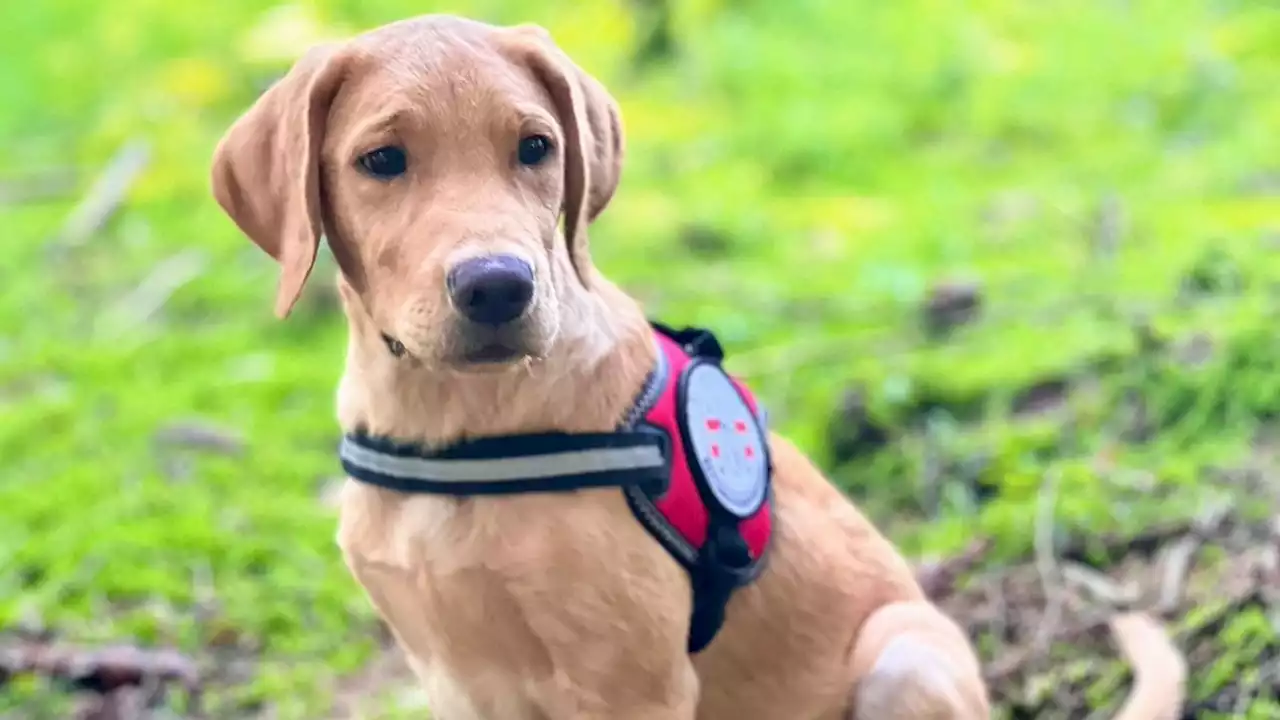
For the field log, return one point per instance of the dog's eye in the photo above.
(534, 149)
(385, 162)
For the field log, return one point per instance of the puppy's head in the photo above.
(437, 155)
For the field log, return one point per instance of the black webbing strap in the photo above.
(546, 462)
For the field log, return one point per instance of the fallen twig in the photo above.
(1180, 555)
(105, 196)
(150, 295)
(1047, 563)
(1100, 586)
(1174, 572)
(1147, 542)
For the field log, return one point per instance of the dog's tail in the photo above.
(1159, 669)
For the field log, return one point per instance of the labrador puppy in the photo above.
(439, 156)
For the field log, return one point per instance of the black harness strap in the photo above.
(548, 462)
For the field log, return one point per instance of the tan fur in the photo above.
(531, 607)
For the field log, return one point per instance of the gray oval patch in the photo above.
(725, 440)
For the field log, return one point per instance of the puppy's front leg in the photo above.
(652, 692)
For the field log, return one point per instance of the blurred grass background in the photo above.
(954, 245)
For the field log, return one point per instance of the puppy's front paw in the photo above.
(912, 680)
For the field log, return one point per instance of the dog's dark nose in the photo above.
(491, 290)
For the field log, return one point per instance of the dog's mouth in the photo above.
(486, 348)
(469, 347)
(483, 355)
(491, 354)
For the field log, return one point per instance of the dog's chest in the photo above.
(441, 576)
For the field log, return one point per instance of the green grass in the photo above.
(799, 175)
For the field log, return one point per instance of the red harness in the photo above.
(692, 459)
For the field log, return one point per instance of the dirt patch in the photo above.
(1042, 627)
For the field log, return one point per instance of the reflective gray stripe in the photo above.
(578, 462)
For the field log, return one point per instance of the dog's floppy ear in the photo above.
(593, 144)
(266, 169)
